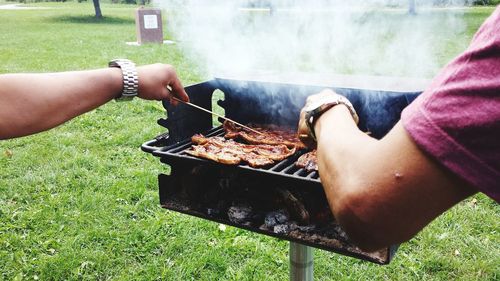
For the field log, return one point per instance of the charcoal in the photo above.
(213, 212)
(281, 229)
(307, 228)
(257, 216)
(294, 205)
(275, 218)
(240, 214)
(293, 226)
(334, 231)
(341, 232)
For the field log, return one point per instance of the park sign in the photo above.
(148, 26)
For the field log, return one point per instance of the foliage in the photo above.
(459, 2)
(80, 202)
(486, 2)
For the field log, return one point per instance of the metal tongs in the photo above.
(216, 114)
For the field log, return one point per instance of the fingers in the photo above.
(303, 131)
(170, 96)
(174, 87)
(177, 89)
(160, 82)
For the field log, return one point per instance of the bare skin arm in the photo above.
(31, 103)
(384, 191)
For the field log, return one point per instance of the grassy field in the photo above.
(80, 202)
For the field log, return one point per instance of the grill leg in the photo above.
(301, 262)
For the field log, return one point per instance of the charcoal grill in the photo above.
(282, 200)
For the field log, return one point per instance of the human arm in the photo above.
(384, 191)
(31, 103)
(444, 149)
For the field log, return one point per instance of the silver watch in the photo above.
(315, 109)
(130, 78)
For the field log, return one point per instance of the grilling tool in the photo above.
(218, 115)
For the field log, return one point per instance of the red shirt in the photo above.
(457, 119)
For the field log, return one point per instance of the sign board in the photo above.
(148, 26)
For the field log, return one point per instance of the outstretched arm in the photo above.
(31, 103)
(381, 191)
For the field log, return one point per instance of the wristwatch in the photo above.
(130, 78)
(316, 108)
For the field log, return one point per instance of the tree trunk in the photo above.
(97, 7)
(411, 9)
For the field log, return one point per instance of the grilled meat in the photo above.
(308, 161)
(214, 153)
(228, 151)
(271, 135)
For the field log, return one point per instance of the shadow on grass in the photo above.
(92, 20)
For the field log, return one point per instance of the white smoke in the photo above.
(348, 37)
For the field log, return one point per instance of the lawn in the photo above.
(80, 202)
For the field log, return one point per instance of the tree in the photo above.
(97, 8)
(411, 9)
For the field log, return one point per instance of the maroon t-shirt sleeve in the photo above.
(457, 119)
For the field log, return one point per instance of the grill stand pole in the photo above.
(301, 262)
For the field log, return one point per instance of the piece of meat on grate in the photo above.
(228, 151)
(308, 161)
(215, 153)
(270, 134)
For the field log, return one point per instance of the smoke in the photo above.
(347, 37)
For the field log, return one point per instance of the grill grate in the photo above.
(286, 167)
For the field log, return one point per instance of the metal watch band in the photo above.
(130, 78)
(343, 100)
(313, 115)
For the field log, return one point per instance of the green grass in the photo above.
(80, 202)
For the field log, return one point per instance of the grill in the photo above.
(285, 168)
(282, 200)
